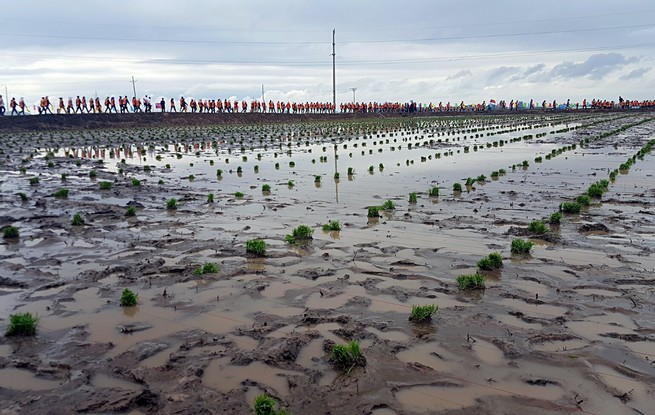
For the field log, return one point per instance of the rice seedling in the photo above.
(555, 218)
(347, 356)
(412, 197)
(219, 173)
(469, 182)
(256, 247)
(131, 211)
(239, 170)
(538, 227)
(266, 188)
(492, 261)
(10, 232)
(470, 282)
(22, 324)
(23, 196)
(388, 205)
(238, 195)
(77, 220)
(317, 179)
(61, 193)
(583, 200)
(265, 405)
(521, 247)
(351, 171)
(596, 190)
(64, 176)
(136, 182)
(370, 169)
(421, 313)
(129, 298)
(207, 268)
(481, 178)
(525, 163)
(210, 198)
(34, 181)
(292, 164)
(290, 183)
(23, 170)
(332, 225)
(302, 233)
(457, 187)
(570, 207)
(433, 192)
(171, 204)
(336, 176)
(105, 185)
(373, 212)
(191, 177)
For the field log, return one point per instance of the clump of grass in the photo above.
(317, 179)
(583, 200)
(23, 196)
(219, 173)
(555, 218)
(105, 185)
(301, 233)
(332, 225)
(597, 189)
(521, 247)
(421, 313)
(266, 188)
(337, 176)
(191, 177)
(136, 182)
(238, 194)
(77, 220)
(570, 207)
(538, 227)
(210, 198)
(469, 182)
(373, 212)
(481, 178)
(22, 324)
(457, 187)
(64, 176)
(351, 171)
(492, 261)
(207, 268)
(470, 282)
(61, 193)
(93, 174)
(433, 192)
(129, 298)
(34, 181)
(388, 205)
(347, 356)
(131, 211)
(412, 197)
(256, 247)
(265, 405)
(10, 232)
(171, 204)
(290, 183)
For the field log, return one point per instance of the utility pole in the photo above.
(354, 89)
(334, 74)
(6, 93)
(263, 99)
(134, 85)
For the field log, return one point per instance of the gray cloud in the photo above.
(596, 67)
(635, 74)
(464, 73)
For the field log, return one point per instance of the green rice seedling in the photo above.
(538, 227)
(210, 198)
(613, 174)
(191, 177)
(555, 218)
(495, 174)
(207, 268)
(596, 190)
(470, 282)
(373, 212)
(77, 220)
(131, 211)
(525, 163)
(290, 183)
(421, 313)
(470, 182)
(302, 233)
(388, 205)
(10, 232)
(332, 225)
(61, 193)
(347, 356)
(64, 176)
(492, 261)
(538, 159)
(370, 169)
(583, 200)
(136, 182)
(51, 164)
(93, 174)
(380, 166)
(129, 298)
(292, 164)
(351, 171)
(337, 176)
(481, 178)
(219, 173)
(457, 187)
(22, 324)
(23, 196)
(34, 181)
(317, 179)
(570, 207)
(105, 185)
(521, 247)
(171, 204)
(256, 247)
(238, 195)
(239, 170)
(265, 405)
(412, 197)
(433, 191)
(266, 188)
(277, 166)
(23, 170)
(160, 182)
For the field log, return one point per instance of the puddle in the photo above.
(103, 381)
(19, 379)
(223, 377)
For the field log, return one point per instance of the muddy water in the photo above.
(571, 322)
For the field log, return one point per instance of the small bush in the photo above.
(373, 212)
(388, 205)
(457, 187)
(10, 232)
(492, 261)
(129, 298)
(77, 220)
(470, 282)
(347, 356)
(555, 218)
(521, 247)
(207, 268)
(171, 204)
(433, 192)
(61, 193)
(256, 247)
(22, 324)
(332, 225)
(538, 227)
(300, 233)
(266, 188)
(105, 185)
(131, 211)
(413, 197)
(570, 207)
(583, 200)
(422, 313)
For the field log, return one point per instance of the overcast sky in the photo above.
(424, 50)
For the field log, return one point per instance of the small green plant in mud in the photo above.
(481, 178)
(457, 187)
(77, 220)
(210, 198)
(597, 189)
(351, 171)
(23, 170)
(525, 163)
(239, 170)
(10, 232)
(265, 405)
(129, 298)
(61, 193)
(583, 200)
(495, 174)
(337, 176)
(93, 174)
(470, 282)
(433, 191)
(332, 225)
(292, 164)
(302, 233)
(373, 212)
(492, 261)
(238, 195)
(370, 169)
(34, 181)
(105, 185)
(266, 188)
(290, 183)
(22, 324)
(207, 268)
(256, 247)
(413, 198)
(23, 196)
(317, 179)
(538, 227)
(521, 247)
(388, 205)
(421, 313)
(171, 204)
(131, 211)
(570, 207)
(64, 176)
(191, 177)
(136, 182)
(219, 173)
(555, 218)
(470, 182)
(347, 356)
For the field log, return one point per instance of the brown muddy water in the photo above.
(569, 328)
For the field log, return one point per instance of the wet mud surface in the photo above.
(569, 328)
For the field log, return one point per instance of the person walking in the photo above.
(22, 106)
(2, 106)
(12, 105)
(162, 104)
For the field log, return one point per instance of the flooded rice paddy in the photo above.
(568, 328)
